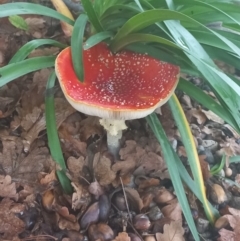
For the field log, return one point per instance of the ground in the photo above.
(127, 199)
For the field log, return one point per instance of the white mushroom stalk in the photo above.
(114, 130)
(119, 87)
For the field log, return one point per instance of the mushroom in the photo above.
(117, 87)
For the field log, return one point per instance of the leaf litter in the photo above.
(128, 199)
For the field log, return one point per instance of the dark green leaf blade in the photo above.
(52, 134)
(10, 9)
(15, 70)
(26, 49)
(77, 46)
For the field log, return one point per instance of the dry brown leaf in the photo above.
(134, 198)
(75, 166)
(162, 195)
(43, 52)
(226, 235)
(48, 178)
(7, 188)
(10, 225)
(213, 117)
(90, 127)
(149, 163)
(198, 115)
(11, 153)
(171, 232)
(80, 198)
(126, 166)
(38, 160)
(204, 167)
(64, 212)
(65, 224)
(173, 210)
(102, 170)
(122, 237)
(36, 26)
(95, 189)
(128, 149)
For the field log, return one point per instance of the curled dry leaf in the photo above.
(171, 232)
(48, 178)
(173, 210)
(10, 225)
(95, 189)
(213, 117)
(11, 153)
(226, 235)
(162, 195)
(122, 237)
(102, 169)
(125, 167)
(75, 166)
(198, 115)
(7, 188)
(90, 127)
(134, 198)
(204, 167)
(65, 224)
(99, 232)
(36, 26)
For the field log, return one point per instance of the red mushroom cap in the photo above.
(124, 86)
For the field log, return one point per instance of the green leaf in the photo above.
(26, 49)
(217, 168)
(10, 9)
(18, 22)
(15, 70)
(173, 171)
(191, 151)
(52, 134)
(140, 37)
(97, 38)
(234, 159)
(93, 18)
(77, 46)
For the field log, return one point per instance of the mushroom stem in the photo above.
(113, 143)
(114, 133)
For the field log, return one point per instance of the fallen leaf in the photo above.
(126, 166)
(122, 237)
(65, 224)
(226, 235)
(162, 195)
(171, 232)
(102, 170)
(90, 127)
(212, 116)
(48, 178)
(10, 225)
(7, 188)
(134, 198)
(75, 167)
(204, 167)
(173, 210)
(36, 26)
(198, 115)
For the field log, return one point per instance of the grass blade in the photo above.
(10, 9)
(26, 49)
(97, 38)
(173, 171)
(140, 37)
(77, 46)
(15, 70)
(52, 134)
(191, 151)
(93, 18)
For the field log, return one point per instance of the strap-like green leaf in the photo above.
(10, 9)
(140, 37)
(77, 46)
(15, 70)
(191, 151)
(97, 38)
(173, 171)
(26, 49)
(52, 134)
(92, 16)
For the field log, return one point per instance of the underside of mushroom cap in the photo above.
(124, 86)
